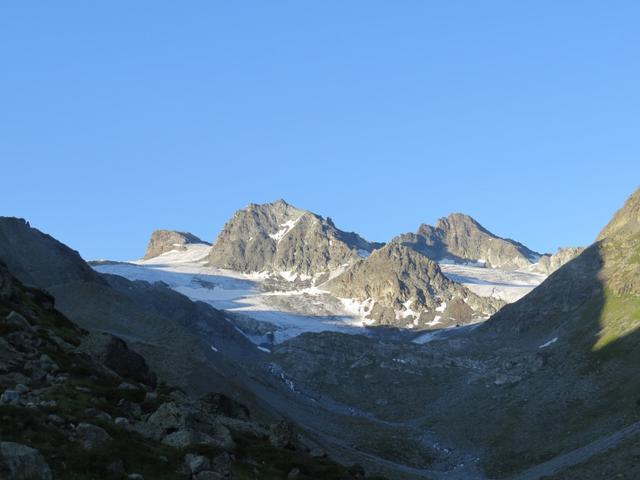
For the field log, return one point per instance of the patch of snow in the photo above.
(214, 348)
(442, 307)
(550, 342)
(264, 349)
(284, 229)
(407, 311)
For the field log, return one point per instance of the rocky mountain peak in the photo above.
(626, 221)
(403, 288)
(461, 239)
(163, 241)
(282, 238)
(460, 221)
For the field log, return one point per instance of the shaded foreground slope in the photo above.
(63, 414)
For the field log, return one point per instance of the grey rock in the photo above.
(53, 418)
(221, 463)
(17, 320)
(550, 263)
(147, 430)
(10, 397)
(151, 397)
(169, 416)
(460, 238)
(21, 389)
(121, 421)
(19, 462)
(196, 463)
(115, 354)
(396, 277)
(317, 453)
(163, 241)
(293, 474)
(37, 259)
(128, 386)
(280, 434)
(135, 476)
(187, 439)
(279, 237)
(91, 436)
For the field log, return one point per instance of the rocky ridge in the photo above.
(400, 287)
(460, 238)
(277, 237)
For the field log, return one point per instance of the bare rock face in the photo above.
(550, 263)
(279, 237)
(163, 241)
(626, 221)
(460, 238)
(406, 289)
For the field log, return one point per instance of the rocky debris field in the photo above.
(65, 414)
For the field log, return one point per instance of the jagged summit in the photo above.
(280, 237)
(402, 287)
(163, 241)
(460, 238)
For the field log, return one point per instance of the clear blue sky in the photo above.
(117, 118)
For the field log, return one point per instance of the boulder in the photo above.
(280, 434)
(196, 463)
(10, 397)
(222, 464)
(187, 439)
(19, 462)
(91, 436)
(16, 320)
(293, 474)
(220, 404)
(116, 355)
(170, 416)
(317, 453)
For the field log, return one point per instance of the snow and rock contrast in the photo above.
(279, 271)
(400, 287)
(163, 241)
(277, 237)
(461, 239)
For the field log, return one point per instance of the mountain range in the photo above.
(288, 348)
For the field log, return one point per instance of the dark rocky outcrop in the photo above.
(116, 355)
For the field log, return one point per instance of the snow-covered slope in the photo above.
(245, 296)
(507, 285)
(270, 309)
